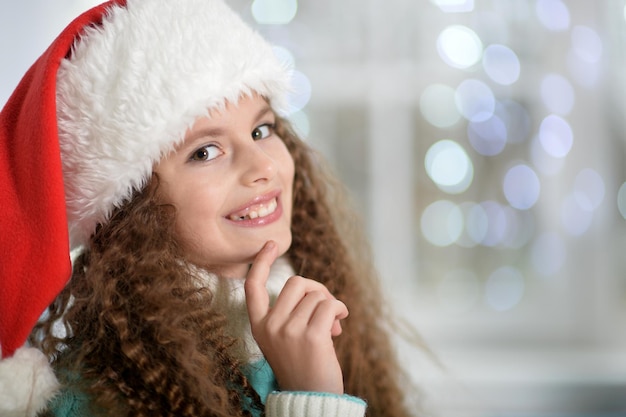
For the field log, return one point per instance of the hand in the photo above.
(295, 335)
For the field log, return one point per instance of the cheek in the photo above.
(288, 169)
(288, 177)
(194, 233)
(290, 174)
(197, 210)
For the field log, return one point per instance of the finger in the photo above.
(327, 317)
(303, 312)
(257, 298)
(316, 315)
(293, 293)
(318, 312)
(336, 329)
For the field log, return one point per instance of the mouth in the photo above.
(255, 211)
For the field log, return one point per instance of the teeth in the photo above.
(261, 211)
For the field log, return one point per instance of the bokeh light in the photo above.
(459, 46)
(557, 94)
(492, 224)
(301, 91)
(442, 223)
(497, 225)
(274, 12)
(488, 137)
(548, 254)
(621, 200)
(475, 100)
(510, 123)
(449, 166)
(586, 44)
(584, 73)
(556, 136)
(574, 218)
(284, 56)
(501, 64)
(583, 59)
(438, 107)
(476, 223)
(520, 226)
(589, 189)
(504, 288)
(454, 6)
(544, 162)
(516, 118)
(521, 187)
(553, 14)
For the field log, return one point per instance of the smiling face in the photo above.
(231, 183)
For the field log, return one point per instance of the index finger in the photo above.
(257, 298)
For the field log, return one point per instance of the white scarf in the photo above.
(229, 298)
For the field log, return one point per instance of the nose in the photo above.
(257, 165)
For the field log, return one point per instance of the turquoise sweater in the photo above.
(72, 403)
(230, 299)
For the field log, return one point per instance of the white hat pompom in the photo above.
(27, 383)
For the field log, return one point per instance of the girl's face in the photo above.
(231, 182)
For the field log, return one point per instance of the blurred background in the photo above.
(484, 143)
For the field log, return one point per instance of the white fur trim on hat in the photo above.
(134, 84)
(27, 383)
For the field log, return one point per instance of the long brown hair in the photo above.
(143, 340)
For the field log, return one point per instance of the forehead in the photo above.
(247, 109)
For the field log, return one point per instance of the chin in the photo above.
(284, 243)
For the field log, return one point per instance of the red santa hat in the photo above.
(112, 94)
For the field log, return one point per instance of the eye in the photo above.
(262, 131)
(205, 153)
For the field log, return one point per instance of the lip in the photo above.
(259, 221)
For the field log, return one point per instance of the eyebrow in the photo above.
(263, 112)
(218, 131)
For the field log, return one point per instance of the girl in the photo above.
(209, 260)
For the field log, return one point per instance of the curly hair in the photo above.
(144, 340)
(329, 246)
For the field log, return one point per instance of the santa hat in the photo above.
(112, 94)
